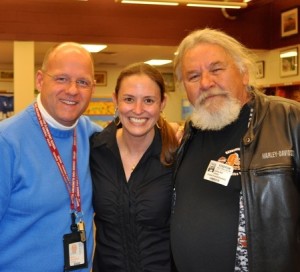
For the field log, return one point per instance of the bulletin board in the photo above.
(186, 109)
(101, 110)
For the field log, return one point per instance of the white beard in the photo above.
(215, 116)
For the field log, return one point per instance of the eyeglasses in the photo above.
(65, 80)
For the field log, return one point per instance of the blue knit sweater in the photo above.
(34, 201)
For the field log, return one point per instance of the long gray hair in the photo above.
(243, 57)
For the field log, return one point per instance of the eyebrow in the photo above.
(222, 63)
(216, 63)
(212, 65)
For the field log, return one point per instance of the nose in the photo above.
(138, 107)
(72, 88)
(206, 81)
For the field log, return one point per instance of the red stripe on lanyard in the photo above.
(73, 185)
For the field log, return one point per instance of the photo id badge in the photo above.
(74, 252)
(218, 172)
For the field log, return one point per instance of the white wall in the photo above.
(272, 67)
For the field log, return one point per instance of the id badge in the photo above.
(74, 252)
(218, 172)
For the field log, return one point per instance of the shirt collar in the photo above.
(49, 119)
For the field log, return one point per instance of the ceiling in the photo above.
(133, 33)
(117, 55)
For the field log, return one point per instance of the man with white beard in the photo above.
(236, 198)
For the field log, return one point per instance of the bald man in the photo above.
(45, 198)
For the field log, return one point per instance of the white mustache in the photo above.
(212, 92)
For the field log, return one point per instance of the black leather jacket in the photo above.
(270, 175)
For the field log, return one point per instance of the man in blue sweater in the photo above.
(45, 185)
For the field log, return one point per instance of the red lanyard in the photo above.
(73, 185)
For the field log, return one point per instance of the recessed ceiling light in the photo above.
(157, 62)
(192, 3)
(162, 3)
(94, 48)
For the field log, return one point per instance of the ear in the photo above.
(94, 87)
(246, 78)
(115, 99)
(39, 79)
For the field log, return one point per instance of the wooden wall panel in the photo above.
(108, 22)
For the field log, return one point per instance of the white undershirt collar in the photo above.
(49, 119)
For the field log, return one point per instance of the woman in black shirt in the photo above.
(131, 164)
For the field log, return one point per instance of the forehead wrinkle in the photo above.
(209, 66)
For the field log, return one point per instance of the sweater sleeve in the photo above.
(91, 126)
(7, 164)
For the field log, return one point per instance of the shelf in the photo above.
(289, 90)
(6, 93)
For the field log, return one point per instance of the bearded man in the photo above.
(236, 197)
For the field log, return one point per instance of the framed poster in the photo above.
(101, 78)
(289, 62)
(101, 110)
(260, 69)
(186, 109)
(289, 22)
(169, 82)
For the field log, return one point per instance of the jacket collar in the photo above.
(260, 104)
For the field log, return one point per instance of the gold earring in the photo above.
(116, 117)
(163, 116)
(160, 121)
